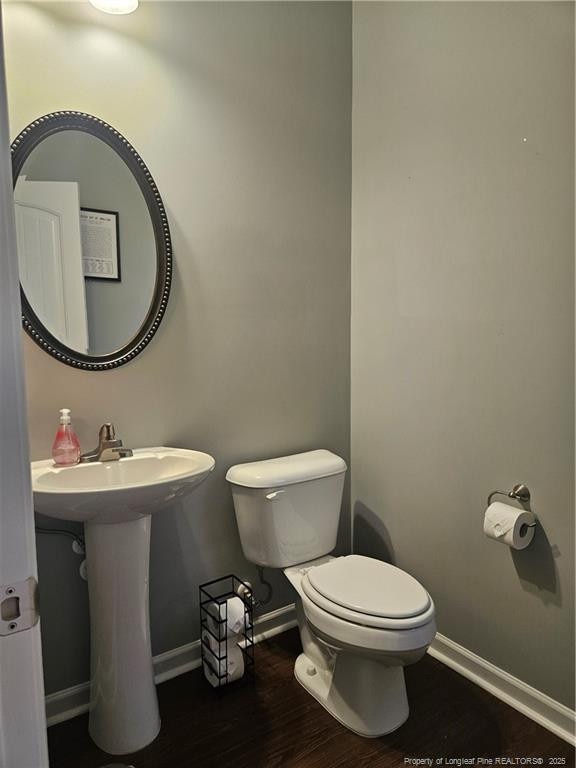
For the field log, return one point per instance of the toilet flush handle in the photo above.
(274, 494)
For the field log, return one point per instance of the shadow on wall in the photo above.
(189, 546)
(536, 568)
(370, 535)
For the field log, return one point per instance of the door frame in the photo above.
(23, 742)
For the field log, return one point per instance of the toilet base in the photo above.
(363, 694)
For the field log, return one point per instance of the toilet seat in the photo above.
(368, 592)
(392, 639)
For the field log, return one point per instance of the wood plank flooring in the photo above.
(277, 724)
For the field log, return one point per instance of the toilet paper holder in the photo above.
(520, 492)
(215, 594)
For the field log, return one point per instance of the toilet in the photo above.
(361, 620)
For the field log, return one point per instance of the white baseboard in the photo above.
(539, 707)
(66, 704)
(536, 705)
(63, 705)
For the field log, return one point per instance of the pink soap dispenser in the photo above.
(66, 447)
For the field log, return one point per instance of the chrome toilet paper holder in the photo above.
(520, 492)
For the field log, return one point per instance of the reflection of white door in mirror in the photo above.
(50, 257)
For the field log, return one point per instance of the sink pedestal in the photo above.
(123, 704)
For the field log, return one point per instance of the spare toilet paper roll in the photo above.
(509, 525)
(233, 663)
(233, 611)
(218, 648)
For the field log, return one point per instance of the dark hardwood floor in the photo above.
(276, 723)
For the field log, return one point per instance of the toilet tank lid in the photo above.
(286, 470)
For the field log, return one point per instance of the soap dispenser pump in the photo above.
(66, 447)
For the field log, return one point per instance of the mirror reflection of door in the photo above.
(50, 257)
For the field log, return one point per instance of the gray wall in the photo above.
(462, 314)
(242, 112)
(115, 310)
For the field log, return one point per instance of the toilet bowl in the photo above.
(361, 620)
(352, 660)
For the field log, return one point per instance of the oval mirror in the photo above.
(93, 241)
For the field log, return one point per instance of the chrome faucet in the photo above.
(109, 448)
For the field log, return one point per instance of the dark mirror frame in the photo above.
(22, 147)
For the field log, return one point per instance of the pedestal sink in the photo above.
(115, 501)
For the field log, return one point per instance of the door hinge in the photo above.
(18, 606)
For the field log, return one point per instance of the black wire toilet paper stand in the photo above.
(213, 601)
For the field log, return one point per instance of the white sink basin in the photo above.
(115, 501)
(117, 491)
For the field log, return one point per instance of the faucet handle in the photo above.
(107, 432)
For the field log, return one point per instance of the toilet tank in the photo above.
(288, 509)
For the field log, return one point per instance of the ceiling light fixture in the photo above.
(116, 7)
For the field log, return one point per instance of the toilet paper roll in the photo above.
(234, 611)
(233, 663)
(217, 648)
(509, 525)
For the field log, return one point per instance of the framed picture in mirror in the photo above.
(100, 237)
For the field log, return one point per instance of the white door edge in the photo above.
(22, 718)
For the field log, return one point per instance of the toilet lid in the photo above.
(370, 587)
